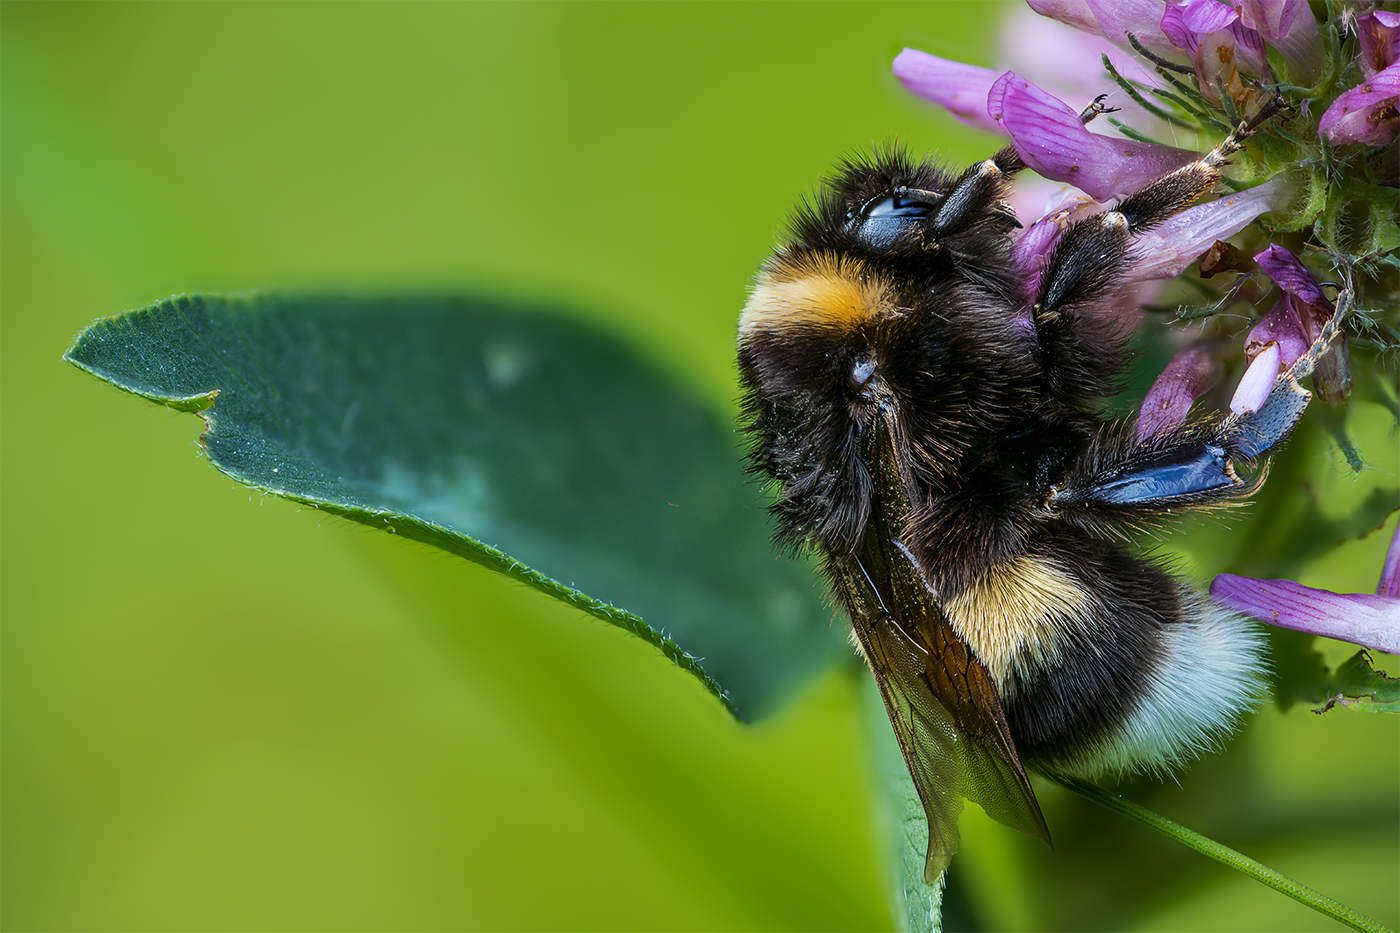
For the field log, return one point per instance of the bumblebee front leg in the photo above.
(979, 194)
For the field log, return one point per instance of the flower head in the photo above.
(1183, 74)
(1190, 70)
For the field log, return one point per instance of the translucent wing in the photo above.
(941, 700)
(944, 709)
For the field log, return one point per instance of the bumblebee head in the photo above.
(881, 206)
(896, 222)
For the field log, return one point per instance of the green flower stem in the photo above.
(1140, 100)
(1225, 855)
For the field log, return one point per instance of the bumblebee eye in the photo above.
(885, 221)
(896, 206)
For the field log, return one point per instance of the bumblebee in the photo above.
(932, 424)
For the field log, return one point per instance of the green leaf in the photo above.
(1355, 683)
(1300, 673)
(514, 438)
(900, 814)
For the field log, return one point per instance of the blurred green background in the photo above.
(226, 712)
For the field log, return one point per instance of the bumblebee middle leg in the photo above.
(1195, 466)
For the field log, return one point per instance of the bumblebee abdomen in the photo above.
(1106, 663)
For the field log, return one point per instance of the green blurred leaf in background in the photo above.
(225, 711)
(518, 440)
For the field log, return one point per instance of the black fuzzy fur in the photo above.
(998, 395)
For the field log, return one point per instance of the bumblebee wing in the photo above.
(941, 701)
(927, 739)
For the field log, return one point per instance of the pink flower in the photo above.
(960, 89)
(1192, 373)
(1370, 620)
(1113, 20)
(1281, 328)
(1166, 250)
(1033, 249)
(1296, 320)
(1290, 28)
(1052, 140)
(1050, 137)
(1379, 36)
(1257, 382)
(1293, 277)
(1223, 49)
(1367, 113)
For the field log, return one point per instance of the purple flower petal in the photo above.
(1052, 140)
(1290, 27)
(1272, 18)
(1110, 19)
(1185, 21)
(1257, 381)
(1034, 247)
(1191, 374)
(1292, 276)
(1250, 51)
(958, 87)
(1379, 34)
(1165, 251)
(1360, 618)
(1282, 328)
(1390, 571)
(1032, 251)
(1367, 113)
(1301, 315)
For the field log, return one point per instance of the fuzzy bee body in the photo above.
(930, 415)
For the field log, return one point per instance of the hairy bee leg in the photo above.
(1202, 471)
(978, 195)
(1081, 267)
